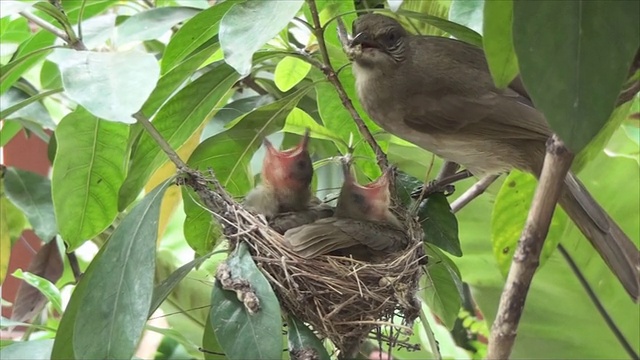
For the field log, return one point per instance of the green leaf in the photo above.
(32, 350)
(458, 31)
(162, 290)
(102, 82)
(498, 42)
(19, 106)
(439, 224)
(201, 230)
(88, 170)
(31, 193)
(116, 302)
(576, 91)
(249, 25)
(29, 53)
(289, 72)
(299, 120)
(468, 13)
(510, 214)
(8, 131)
(7, 111)
(210, 344)
(233, 111)
(176, 121)
(443, 288)
(229, 153)
(304, 342)
(245, 335)
(48, 289)
(49, 9)
(194, 33)
(172, 80)
(152, 24)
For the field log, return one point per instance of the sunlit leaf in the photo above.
(194, 33)
(88, 170)
(249, 25)
(458, 31)
(102, 81)
(29, 53)
(289, 72)
(468, 13)
(498, 41)
(201, 230)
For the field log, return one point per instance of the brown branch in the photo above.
(75, 266)
(331, 75)
(527, 256)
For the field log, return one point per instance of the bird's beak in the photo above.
(364, 40)
(292, 153)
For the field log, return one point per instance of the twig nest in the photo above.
(341, 298)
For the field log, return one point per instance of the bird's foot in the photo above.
(433, 187)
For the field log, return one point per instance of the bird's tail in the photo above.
(613, 245)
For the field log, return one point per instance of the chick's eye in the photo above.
(391, 38)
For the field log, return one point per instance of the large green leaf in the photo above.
(176, 121)
(210, 344)
(443, 288)
(119, 289)
(244, 334)
(88, 170)
(194, 33)
(558, 312)
(31, 193)
(439, 224)
(172, 80)
(575, 78)
(18, 104)
(102, 82)
(153, 23)
(24, 104)
(229, 153)
(249, 25)
(468, 13)
(497, 41)
(510, 214)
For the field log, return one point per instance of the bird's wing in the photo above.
(331, 234)
(285, 221)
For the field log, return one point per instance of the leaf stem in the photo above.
(433, 343)
(160, 140)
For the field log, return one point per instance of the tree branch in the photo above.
(473, 192)
(45, 25)
(331, 75)
(527, 256)
(159, 139)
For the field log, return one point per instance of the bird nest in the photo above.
(343, 299)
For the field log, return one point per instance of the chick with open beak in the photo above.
(284, 196)
(362, 227)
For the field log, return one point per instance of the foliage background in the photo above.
(179, 61)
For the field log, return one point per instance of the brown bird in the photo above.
(284, 197)
(438, 93)
(363, 226)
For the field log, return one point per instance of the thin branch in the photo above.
(527, 256)
(594, 298)
(164, 145)
(330, 73)
(473, 192)
(45, 25)
(75, 266)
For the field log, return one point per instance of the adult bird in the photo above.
(438, 93)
